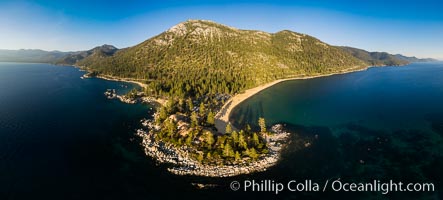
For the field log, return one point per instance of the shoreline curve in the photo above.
(222, 116)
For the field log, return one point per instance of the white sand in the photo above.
(142, 85)
(222, 117)
(111, 78)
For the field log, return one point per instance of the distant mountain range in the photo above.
(31, 55)
(414, 59)
(229, 58)
(55, 57)
(376, 58)
(383, 58)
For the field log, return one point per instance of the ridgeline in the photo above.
(198, 57)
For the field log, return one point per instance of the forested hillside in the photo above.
(199, 57)
(95, 53)
(376, 58)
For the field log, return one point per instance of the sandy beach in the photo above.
(160, 101)
(222, 117)
(112, 78)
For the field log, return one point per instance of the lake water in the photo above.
(382, 123)
(60, 138)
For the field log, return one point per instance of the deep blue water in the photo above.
(60, 138)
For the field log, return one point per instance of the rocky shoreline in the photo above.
(184, 164)
(111, 94)
(139, 98)
(180, 157)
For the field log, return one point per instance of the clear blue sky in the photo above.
(407, 27)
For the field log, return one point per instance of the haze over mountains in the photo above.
(54, 57)
(196, 48)
(375, 58)
(414, 59)
(31, 55)
(383, 58)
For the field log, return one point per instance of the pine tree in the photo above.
(234, 136)
(255, 140)
(181, 105)
(194, 119)
(228, 128)
(200, 157)
(209, 139)
(171, 127)
(210, 119)
(162, 115)
(227, 151)
(237, 156)
(170, 105)
(248, 128)
(202, 109)
(242, 140)
(253, 153)
(220, 142)
(189, 140)
(262, 124)
(190, 105)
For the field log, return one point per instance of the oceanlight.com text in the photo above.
(329, 185)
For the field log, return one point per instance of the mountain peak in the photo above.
(108, 46)
(195, 26)
(200, 21)
(96, 52)
(239, 58)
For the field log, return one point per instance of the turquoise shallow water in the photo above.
(60, 138)
(384, 123)
(385, 98)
